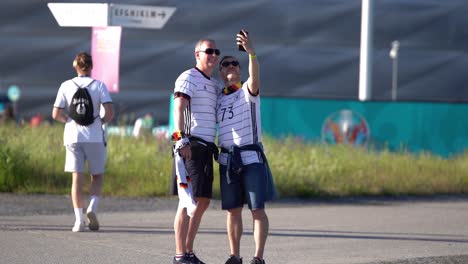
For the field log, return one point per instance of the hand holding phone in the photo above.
(241, 48)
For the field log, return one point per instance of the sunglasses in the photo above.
(210, 51)
(227, 63)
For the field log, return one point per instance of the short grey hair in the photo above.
(201, 41)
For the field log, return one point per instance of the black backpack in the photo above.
(81, 106)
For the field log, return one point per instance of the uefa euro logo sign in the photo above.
(345, 127)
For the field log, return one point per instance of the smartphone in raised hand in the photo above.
(241, 48)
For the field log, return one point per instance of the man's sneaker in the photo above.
(234, 260)
(183, 260)
(78, 227)
(193, 258)
(256, 260)
(93, 222)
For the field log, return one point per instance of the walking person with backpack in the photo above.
(77, 105)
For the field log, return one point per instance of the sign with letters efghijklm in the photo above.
(103, 15)
(139, 16)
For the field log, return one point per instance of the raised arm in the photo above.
(253, 81)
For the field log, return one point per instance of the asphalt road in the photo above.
(37, 229)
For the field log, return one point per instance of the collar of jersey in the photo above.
(232, 88)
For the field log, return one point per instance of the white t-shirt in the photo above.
(201, 112)
(238, 116)
(73, 132)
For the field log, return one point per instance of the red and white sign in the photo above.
(105, 50)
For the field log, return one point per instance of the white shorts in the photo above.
(78, 153)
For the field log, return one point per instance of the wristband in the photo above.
(177, 135)
(253, 56)
(180, 144)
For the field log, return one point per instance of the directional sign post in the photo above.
(102, 15)
(105, 19)
(80, 15)
(138, 16)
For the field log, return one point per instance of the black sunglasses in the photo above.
(210, 51)
(227, 63)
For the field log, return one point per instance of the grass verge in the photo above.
(32, 161)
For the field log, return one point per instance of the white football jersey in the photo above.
(201, 112)
(74, 133)
(238, 117)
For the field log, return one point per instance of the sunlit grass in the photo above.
(303, 169)
(32, 161)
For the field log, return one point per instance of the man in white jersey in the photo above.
(84, 143)
(195, 96)
(244, 172)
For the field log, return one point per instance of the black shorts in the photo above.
(199, 169)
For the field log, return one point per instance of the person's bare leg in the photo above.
(77, 200)
(95, 192)
(261, 225)
(77, 189)
(181, 223)
(195, 220)
(96, 185)
(234, 230)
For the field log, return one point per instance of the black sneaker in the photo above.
(256, 260)
(234, 260)
(193, 258)
(183, 260)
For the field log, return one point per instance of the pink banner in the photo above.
(105, 49)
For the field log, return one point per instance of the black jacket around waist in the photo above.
(212, 146)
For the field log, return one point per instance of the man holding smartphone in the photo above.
(244, 173)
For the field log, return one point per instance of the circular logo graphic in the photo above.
(345, 127)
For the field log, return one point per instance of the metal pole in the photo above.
(394, 79)
(365, 65)
(394, 57)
